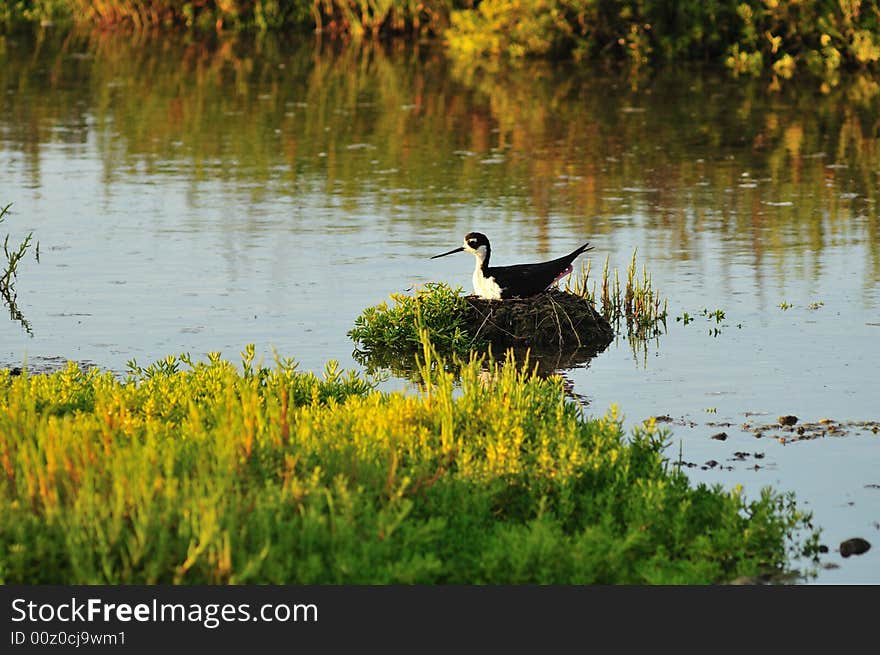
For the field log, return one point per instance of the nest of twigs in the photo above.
(554, 319)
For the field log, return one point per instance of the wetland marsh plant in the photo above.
(717, 315)
(211, 473)
(637, 304)
(13, 257)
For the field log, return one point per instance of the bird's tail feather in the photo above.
(584, 248)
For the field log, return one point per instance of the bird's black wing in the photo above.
(525, 280)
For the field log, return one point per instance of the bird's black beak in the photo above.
(459, 249)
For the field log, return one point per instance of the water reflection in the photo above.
(400, 132)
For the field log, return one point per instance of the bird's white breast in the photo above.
(485, 287)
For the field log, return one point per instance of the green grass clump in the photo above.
(637, 304)
(394, 331)
(199, 473)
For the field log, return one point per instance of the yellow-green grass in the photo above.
(208, 472)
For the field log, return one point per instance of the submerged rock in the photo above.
(854, 546)
(554, 319)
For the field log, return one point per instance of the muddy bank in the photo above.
(43, 365)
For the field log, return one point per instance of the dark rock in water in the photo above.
(554, 319)
(787, 420)
(854, 546)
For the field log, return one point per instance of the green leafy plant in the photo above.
(396, 329)
(718, 314)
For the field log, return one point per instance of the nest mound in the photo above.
(553, 319)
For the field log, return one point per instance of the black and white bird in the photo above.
(519, 280)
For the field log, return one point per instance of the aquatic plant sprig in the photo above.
(637, 304)
(9, 275)
(717, 315)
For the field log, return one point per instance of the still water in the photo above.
(194, 197)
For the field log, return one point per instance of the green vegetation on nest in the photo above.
(203, 473)
(749, 36)
(396, 330)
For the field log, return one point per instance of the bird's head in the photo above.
(474, 242)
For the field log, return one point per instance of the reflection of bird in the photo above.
(519, 280)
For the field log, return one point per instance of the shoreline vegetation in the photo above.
(215, 473)
(752, 37)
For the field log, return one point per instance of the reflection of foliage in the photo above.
(13, 257)
(543, 361)
(612, 155)
(403, 129)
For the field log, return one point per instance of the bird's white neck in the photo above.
(485, 287)
(482, 255)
